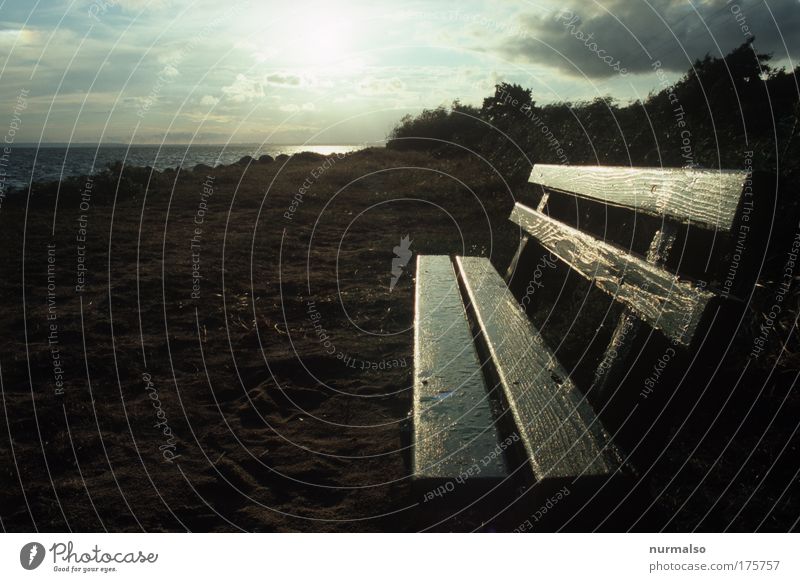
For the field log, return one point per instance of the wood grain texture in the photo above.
(706, 198)
(561, 434)
(655, 295)
(453, 424)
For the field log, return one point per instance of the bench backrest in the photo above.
(651, 294)
(705, 198)
(665, 301)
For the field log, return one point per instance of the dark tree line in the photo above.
(719, 110)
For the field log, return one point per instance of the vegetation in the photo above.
(720, 109)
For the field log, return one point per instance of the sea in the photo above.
(25, 164)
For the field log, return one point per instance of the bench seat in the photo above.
(562, 436)
(459, 401)
(453, 425)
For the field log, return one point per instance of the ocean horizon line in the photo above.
(173, 144)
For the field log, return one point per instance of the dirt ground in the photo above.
(235, 358)
(225, 350)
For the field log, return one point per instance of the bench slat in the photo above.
(709, 198)
(453, 424)
(559, 430)
(656, 296)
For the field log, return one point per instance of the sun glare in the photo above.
(319, 36)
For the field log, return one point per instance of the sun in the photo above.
(319, 36)
(305, 34)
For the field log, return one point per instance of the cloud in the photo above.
(592, 39)
(10, 36)
(209, 100)
(293, 107)
(169, 71)
(284, 79)
(375, 86)
(97, 9)
(134, 4)
(244, 89)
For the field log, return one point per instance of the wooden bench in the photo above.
(492, 404)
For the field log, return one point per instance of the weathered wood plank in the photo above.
(560, 432)
(453, 424)
(707, 198)
(656, 296)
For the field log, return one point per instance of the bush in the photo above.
(700, 120)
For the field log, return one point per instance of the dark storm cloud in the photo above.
(603, 39)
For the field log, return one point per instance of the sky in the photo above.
(344, 71)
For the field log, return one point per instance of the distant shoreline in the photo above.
(56, 144)
(51, 162)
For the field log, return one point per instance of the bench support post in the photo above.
(523, 242)
(614, 364)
